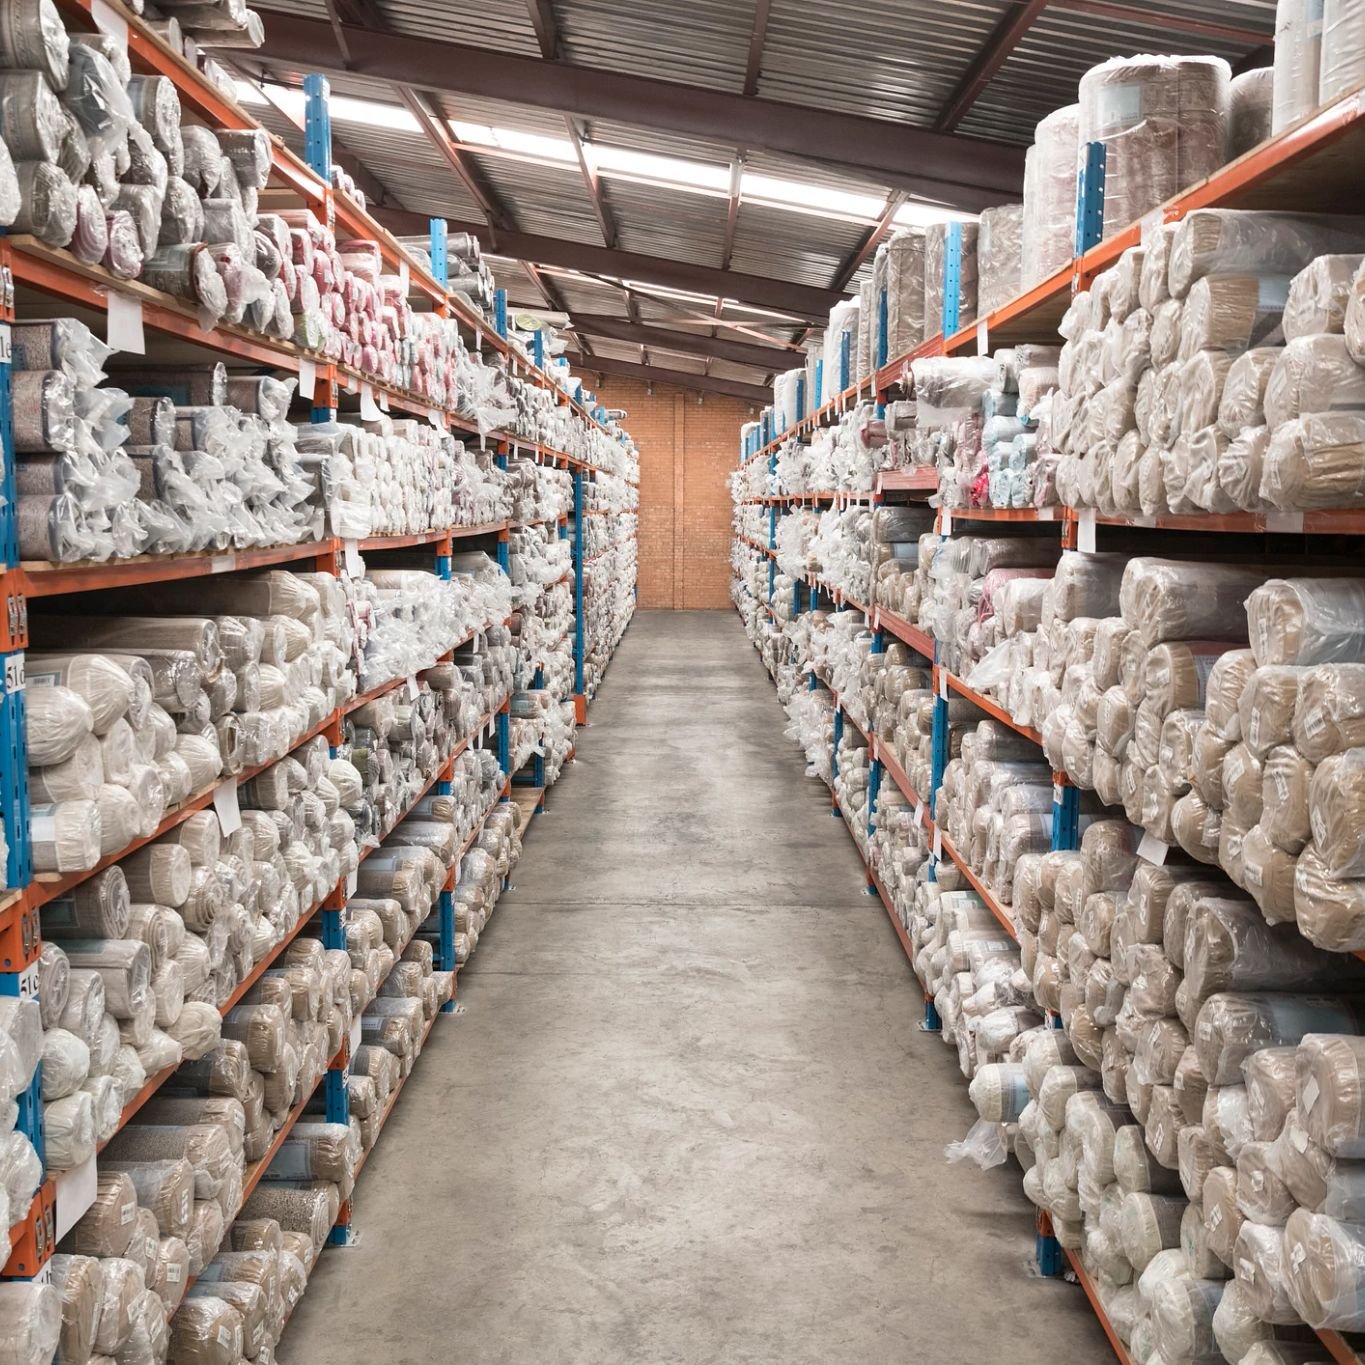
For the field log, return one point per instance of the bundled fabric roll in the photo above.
(1307, 621)
(30, 1321)
(1298, 60)
(1251, 109)
(1233, 312)
(1324, 1262)
(1329, 711)
(1316, 461)
(1230, 1027)
(1318, 296)
(207, 1331)
(1049, 224)
(1167, 600)
(1209, 241)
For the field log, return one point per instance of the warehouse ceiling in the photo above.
(695, 182)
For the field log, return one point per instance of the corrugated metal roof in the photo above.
(895, 60)
(697, 42)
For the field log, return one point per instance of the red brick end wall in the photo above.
(687, 451)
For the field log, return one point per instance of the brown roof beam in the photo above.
(760, 291)
(470, 175)
(659, 338)
(653, 374)
(1171, 23)
(757, 38)
(991, 57)
(870, 242)
(969, 173)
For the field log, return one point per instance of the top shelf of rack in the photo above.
(1313, 166)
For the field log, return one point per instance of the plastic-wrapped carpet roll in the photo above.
(1298, 60)
(1341, 66)
(1234, 312)
(1049, 223)
(207, 1331)
(1324, 1265)
(1261, 1270)
(1209, 241)
(1251, 108)
(1315, 462)
(999, 256)
(47, 201)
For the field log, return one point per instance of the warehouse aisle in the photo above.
(686, 1115)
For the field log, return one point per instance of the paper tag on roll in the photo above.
(228, 809)
(308, 379)
(124, 326)
(983, 337)
(369, 409)
(938, 843)
(1153, 850)
(355, 565)
(1085, 531)
(411, 685)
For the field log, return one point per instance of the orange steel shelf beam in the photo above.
(979, 886)
(918, 640)
(991, 708)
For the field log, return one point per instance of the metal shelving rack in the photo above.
(40, 271)
(1307, 166)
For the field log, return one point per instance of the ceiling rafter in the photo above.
(662, 338)
(758, 37)
(993, 54)
(760, 291)
(970, 173)
(654, 374)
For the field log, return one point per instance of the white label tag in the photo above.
(357, 1032)
(437, 419)
(1285, 523)
(410, 684)
(1310, 1094)
(938, 844)
(223, 563)
(946, 523)
(14, 673)
(404, 277)
(983, 337)
(110, 22)
(124, 324)
(76, 1191)
(369, 409)
(28, 982)
(352, 879)
(1085, 531)
(919, 812)
(1056, 793)
(1047, 514)
(6, 344)
(227, 806)
(355, 565)
(1153, 850)
(943, 684)
(383, 402)
(308, 379)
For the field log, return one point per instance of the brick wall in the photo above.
(687, 451)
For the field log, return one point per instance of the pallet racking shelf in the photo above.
(47, 281)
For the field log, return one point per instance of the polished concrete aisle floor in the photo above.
(686, 1115)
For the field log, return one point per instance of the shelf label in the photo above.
(437, 419)
(356, 1035)
(1286, 523)
(410, 685)
(938, 844)
(1085, 531)
(76, 1191)
(919, 812)
(28, 982)
(352, 881)
(1153, 850)
(110, 22)
(983, 337)
(383, 402)
(1047, 514)
(943, 684)
(946, 523)
(124, 324)
(308, 379)
(404, 277)
(6, 344)
(14, 673)
(355, 566)
(1056, 793)
(369, 409)
(229, 810)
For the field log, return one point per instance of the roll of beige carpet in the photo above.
(1233, 313)
(1329, 713)
(1324, 1264)
(1318, 296)
(1314, 462)
(79, 1280)
(1231, 1026)
(1270, 1084)
(207, 1331)
(1166, 600)
(1261, 1269)
(1267, 706)
(1222, 1218)
(1242, 404)
(1261, 1195)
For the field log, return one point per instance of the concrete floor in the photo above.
(686, 1116)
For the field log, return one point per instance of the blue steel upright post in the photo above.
(317, 126)
(440, 254)
(1090, 197)
(579, 634)
(952, 280)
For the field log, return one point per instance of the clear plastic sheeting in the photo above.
(1049, 224)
